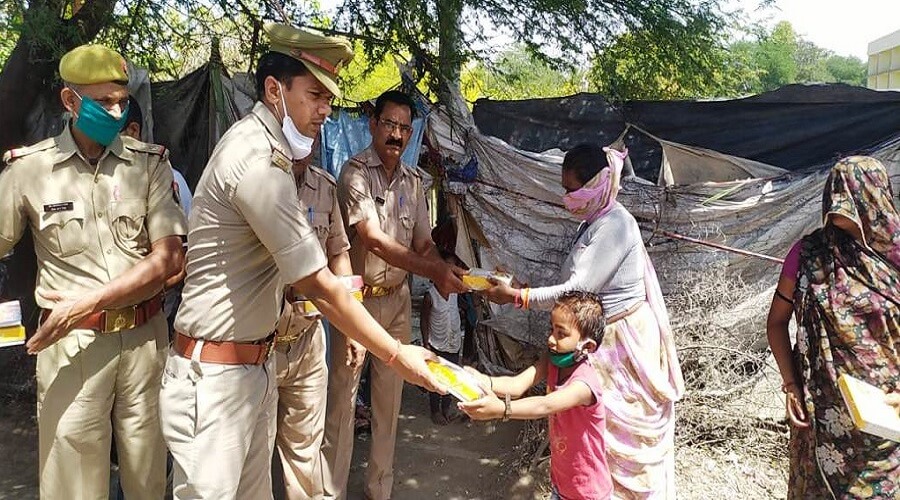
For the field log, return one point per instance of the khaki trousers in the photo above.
(219, 423)
(393, 313)
(302, 388)
(93, 386)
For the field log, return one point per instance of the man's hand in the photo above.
(356, 354)
(487, 408)
(410, 364)
(68, 310)
(448, 279)
(893, 399)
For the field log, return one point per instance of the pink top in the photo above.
(578, 467)
(791, 266)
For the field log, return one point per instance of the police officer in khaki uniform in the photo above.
(300, 344)
(384, 206)
(107, 233)
(246, 241)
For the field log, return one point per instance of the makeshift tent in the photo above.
(514, 198)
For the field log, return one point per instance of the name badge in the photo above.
(64, 206)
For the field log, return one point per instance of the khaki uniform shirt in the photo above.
(90, 223)
(398, 205)
(317, 191)
(245, 237)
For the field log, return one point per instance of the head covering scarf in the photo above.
(598, 195)
(847, 304)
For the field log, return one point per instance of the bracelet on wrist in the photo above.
(506, 411)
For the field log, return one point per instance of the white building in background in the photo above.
(884, 62)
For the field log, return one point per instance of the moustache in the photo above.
(394, 142)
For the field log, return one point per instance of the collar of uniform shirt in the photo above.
(273, 126)
(66, 147)
(373, 161)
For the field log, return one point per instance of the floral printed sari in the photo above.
(848, 314)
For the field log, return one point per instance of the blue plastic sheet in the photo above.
(346, 133)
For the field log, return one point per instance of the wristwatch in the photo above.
(507, 409)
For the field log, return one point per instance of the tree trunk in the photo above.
(449, 44)
(31, 66)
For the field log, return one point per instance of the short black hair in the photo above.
(135, 115)
(279, 66)
(396, 97)
(586, 160)
(588, 311)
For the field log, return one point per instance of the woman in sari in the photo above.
(637, 363)
(842, 285)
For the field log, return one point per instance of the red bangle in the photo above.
(394, 356)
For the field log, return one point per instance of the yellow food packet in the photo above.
(354, 285)
(460, 383)
(480, 279)
(11, 330)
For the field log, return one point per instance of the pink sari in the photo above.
(641, 380)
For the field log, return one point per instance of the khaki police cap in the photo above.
(90, 64)
(323, 56)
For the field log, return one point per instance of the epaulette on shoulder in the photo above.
(414, 171)
(328, 177)
(356, 162)
(143, 147)
(17, 153)
(281, 160)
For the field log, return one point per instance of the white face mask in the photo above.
(301, 145)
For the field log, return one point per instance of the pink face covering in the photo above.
(598, 195)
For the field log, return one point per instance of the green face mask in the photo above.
(98, 123)
(563, 359)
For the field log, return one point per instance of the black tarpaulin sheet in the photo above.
(792, 127)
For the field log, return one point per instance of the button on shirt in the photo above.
(397, 204)
(246, 239)
(90, 223)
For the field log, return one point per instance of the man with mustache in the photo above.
(383, 203)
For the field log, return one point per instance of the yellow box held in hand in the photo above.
(868, 409)
(460, 383)
(480, 279)
(354, 285)
(11, 330)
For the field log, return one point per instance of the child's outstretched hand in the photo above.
(483, 380)
(487, 408)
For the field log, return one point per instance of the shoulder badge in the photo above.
(281, 160)
(144, 147)
(176, 193)
(321, 172)
(15, 154)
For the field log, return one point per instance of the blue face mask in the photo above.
(97, 123)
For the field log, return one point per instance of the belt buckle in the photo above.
(116, 320)
(285, 339)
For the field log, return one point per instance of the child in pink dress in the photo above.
(573, 403)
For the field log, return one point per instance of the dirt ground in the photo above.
(459, 461)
